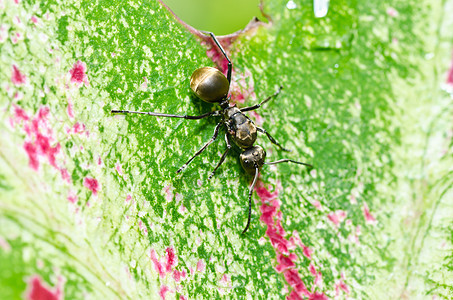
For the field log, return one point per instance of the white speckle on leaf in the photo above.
(43, 37)
(291, 4)
(320, 8)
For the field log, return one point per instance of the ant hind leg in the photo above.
(150, 113)
(230, 65)
(288, 160)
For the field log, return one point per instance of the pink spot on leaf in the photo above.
(171, 259)
(3, 32)
(337, 217)
(72, 197)
(78, 128)
(182, 209)
(40, 140)
(144, 85)
(177, 275)
(18, 96)
(4, 245)
(392, 12)
(168, 190)
(32, 155)
(317, 204)
(119, 169)
(78, 75)
(341, 285)
(353, 198)
(92, 184)
(294, 296)
(318, 275)
(225, 279)
(201, 266)
(450, 74)
(38, 290)
(369, 218)
(157, 264)
(16, 20)
(285, 262)
(65, 175)
(318, 296)
(294, 281)
(17, 77)
(307, 251)
(166, 264)
(272, 217)
(178, 197)
(142, 227)
(70, 108)
(163, 291)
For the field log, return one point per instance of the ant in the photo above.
(211, 85)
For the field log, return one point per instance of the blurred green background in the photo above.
(220, 17)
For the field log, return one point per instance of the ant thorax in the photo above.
(240, 127)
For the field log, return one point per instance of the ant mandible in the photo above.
(210, 85)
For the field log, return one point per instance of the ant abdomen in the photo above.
(209, 84)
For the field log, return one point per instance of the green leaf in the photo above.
(91, 205)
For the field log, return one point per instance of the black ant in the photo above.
(210, 85)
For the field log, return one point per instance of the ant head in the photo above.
(210, 85)
(252, 158)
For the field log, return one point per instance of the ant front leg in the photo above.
(230, 65)
(222, 159)
(273, 141)
(252, 186)
(216, 133)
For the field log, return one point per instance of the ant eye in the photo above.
(246, 161)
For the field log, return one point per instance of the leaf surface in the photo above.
(91, 204)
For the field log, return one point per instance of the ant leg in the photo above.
(262, 102)
(223, 156)
(252, 186)
(230, 65)
(288, 160)
(209, 114)
(216, 132)
(273, 141)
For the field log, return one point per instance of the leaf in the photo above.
(90, 203)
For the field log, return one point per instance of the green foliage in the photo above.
(363, 101)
